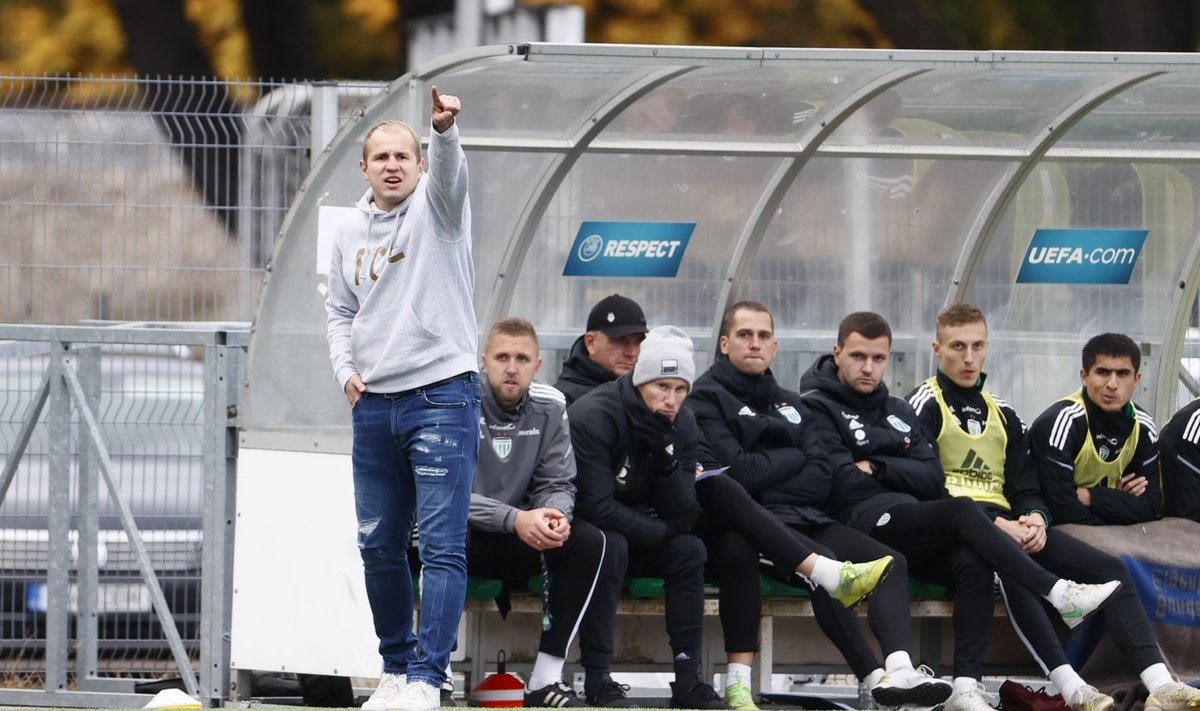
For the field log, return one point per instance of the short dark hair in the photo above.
(727, 320)
(959, 313)
(513, 326)
(866, 323)
(1111, 344)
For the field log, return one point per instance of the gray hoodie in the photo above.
(401, 283)
(525, 459)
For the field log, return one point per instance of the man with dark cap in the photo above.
(616, 327)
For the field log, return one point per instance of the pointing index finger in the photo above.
(437, 98)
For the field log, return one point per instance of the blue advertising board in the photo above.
(1081, 256)
(629, 249)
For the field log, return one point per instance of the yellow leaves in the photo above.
(661, 29)
(825, 23)
(222, 34)
(845, 23)
(638, 7)
(83, 35)
(374, 15)
(736, 26)
(23, 24)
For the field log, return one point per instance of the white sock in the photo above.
(963, 684)
(1156, 676)
(826, 573)
(872, 679)
(1058, 594)
(546, 671)
(898, 661)
(1067, 680)
(738, 673)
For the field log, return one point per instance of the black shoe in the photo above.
(700, 696)
(609, 694)
(448, 701)
(556, 695)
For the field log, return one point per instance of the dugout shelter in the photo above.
(1057, 191)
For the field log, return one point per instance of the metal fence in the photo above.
(140, 201)
(151, 198)
(116, 509)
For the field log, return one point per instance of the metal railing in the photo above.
(117, 508)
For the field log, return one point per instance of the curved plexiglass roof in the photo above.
(818, 182)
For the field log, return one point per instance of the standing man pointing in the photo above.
(402, 339)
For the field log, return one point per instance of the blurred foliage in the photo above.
(820, 23)
(68, 36)
(365, 38)
(222, 34)
(359, 39)
(60, 37)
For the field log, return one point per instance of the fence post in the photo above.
(222, 368)
(323, 111)
(58, 578)
(87, 574)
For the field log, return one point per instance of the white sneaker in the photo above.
(1081, 600)
(417, 696)
(1175, 696)
(1089, 698)
(972, 699)
(389, 686)
(911, 687)
(874, 678)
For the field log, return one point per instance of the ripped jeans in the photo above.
(414, 457)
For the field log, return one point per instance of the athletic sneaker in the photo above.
(1175, 696)
(971, 699)
(738, 696)
(911, 687)
(446, 695)
(858, 580)
(609, 694)
(1081, 600)
(557, 695)
(1018, 697)
(417, 696)
(700, 696)
(1089, 698)
(389, 686)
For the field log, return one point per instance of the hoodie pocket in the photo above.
(425, 330)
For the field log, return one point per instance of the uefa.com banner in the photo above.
(628, 249)
(1081, 256)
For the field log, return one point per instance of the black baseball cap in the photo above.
(617, 316)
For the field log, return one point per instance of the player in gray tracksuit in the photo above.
(522, 507)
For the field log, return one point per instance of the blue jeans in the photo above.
(414, 456)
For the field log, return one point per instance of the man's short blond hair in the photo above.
(958, 314)
(514, 327)
(397, 125)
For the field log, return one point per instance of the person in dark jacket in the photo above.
(1095, 451)
(761, 430)
(608, 350)
(522, 514)
(980, 443)
(1179, 458)
(889, 483)
(641, 468)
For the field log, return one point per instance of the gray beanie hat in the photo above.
(666, 353)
